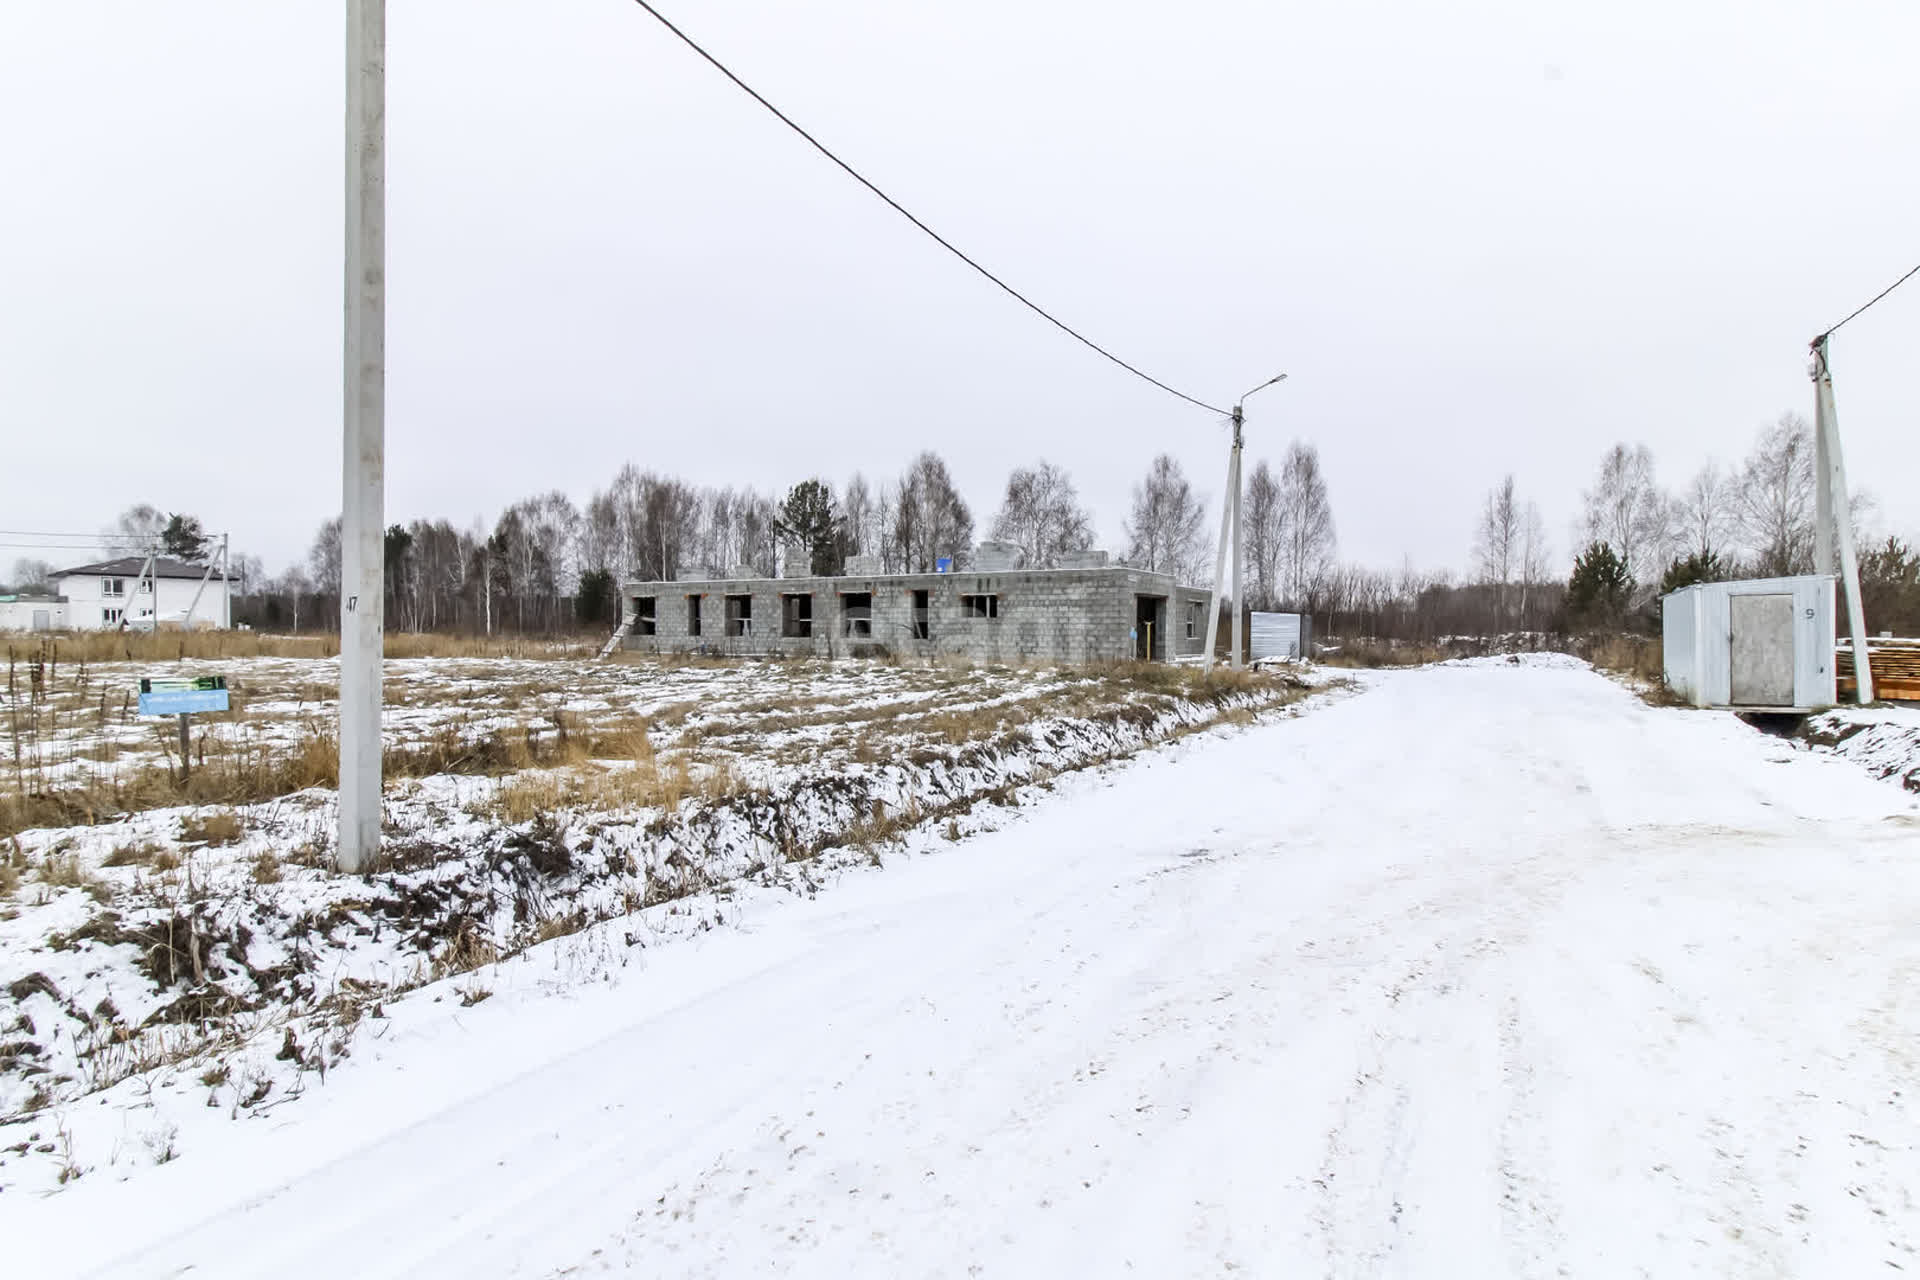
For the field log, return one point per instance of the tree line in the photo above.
(547, 564)
(1751, 519)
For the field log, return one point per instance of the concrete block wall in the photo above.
(1056, 615)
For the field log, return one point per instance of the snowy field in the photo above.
(151, 947)
(1489, 970)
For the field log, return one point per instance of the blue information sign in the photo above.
(180, 697)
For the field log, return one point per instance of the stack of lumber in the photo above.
(1895, 665)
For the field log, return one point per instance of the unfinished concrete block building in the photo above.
(995, 611)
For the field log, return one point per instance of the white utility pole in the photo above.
(1239, 608)
(1230, 529)
(363, 499)
(1834, 514)
(1227, 526)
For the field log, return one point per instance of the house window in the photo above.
(922, 620)
(796, 615)
(979, 606)
(113, 587)
(739, 615)
(643, 615)
(144, 586)
(856, 614)
(111, 616)
(1193, 619)
(693, 615)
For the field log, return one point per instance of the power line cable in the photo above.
(901, 209)
(1875, 298)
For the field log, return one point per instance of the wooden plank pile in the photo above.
(1895, 665)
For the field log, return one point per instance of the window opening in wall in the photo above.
(739, 615)
(856, 614)
(145, 586)
(1194, 613)
(922, 619)
(796, 615)
(693, 615)
(643, 615)
(979, 606)
(110, 615)
(113, 586)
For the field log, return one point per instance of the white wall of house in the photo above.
(96, 601)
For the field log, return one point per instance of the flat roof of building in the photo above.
(1120, 571)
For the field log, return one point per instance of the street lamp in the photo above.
(1230, 527)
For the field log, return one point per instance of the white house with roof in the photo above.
(128, 592)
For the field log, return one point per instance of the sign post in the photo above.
(182, 698)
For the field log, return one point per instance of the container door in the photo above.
(1761, 663)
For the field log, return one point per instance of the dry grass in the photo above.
(215, 829)
(253, 773)
(62, 871)
(1636, 656)
(132, 855)
(1382, 653)
(643, 784)
(469, 948)
(80, 756)
(178, 646)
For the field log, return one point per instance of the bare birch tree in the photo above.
(599, 549)
(1307, 539)
(1042, 515)
(1626, 509)
(1705, 514)
(1496, 545)
(323, 558)
(1536, 564)
(858, 517)
(31, 574)
(1262, 531)
(1163, 528)
(136, 532)
(931, 519)
(1773, 498)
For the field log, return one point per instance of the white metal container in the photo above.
(1765, 644)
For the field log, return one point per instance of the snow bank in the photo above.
(1883, 740)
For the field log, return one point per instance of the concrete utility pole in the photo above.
(363, 499)
(1239, 602)
(1230, 529)
(1833, 514)
(1220, 548)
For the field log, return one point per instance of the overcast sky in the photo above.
(1481, 237)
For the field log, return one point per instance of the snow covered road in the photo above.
(1491, 970)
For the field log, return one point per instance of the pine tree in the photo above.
(183, 539)
(1599, 589)
(808, 519)
(1700, 566)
